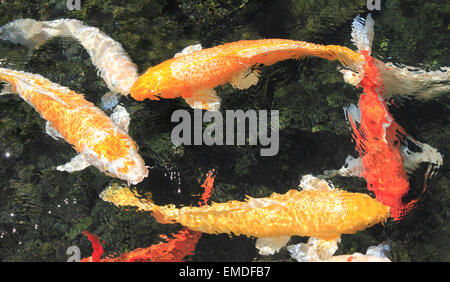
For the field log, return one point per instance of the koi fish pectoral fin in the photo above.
(309, 182)
(77, 163)
(315, 250)
(189, 50)
(110, 100)
(7, 89)
(51, 131)
(352, 167)
(271, 245)
(206, 99)
(245, 79)
(121, 118)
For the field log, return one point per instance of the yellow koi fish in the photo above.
(318, 211)
(96, 137)
(193, 73)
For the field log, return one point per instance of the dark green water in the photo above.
(43, 211)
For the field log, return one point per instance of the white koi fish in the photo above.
(113, 64)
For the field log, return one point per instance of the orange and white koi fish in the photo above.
(98, 140)
(319, 211)
(193, 73)
(113, 64)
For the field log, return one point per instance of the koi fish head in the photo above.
(133, 170)
(158, 81)
(116, 155)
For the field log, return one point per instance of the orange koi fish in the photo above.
(318, 211)
(98, 140)
(193, 73)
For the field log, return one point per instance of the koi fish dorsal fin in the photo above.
(121, 118)
(271, 245)
(245, 79)
(51, 131)
(315, 250)
(77, 163)
(310, 182)
(206, 99)
(189, 50)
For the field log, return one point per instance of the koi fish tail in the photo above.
(28, 32)
(113, 64)
(32, 33)
(124, 196)
(348, 58)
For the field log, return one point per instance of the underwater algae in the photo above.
(309, 94)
